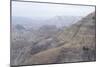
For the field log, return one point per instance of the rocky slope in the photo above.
(70, 44)
(79, 44)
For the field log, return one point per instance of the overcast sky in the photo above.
(33, 10)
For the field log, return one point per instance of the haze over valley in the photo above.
(51, 33)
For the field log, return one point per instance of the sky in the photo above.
(40, 10)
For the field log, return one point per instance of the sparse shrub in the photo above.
(88, 54)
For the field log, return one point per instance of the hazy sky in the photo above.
(33, 10)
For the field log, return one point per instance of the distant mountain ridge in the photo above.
(59, 21)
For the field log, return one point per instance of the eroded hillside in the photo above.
(70, 44)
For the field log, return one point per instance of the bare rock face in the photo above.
(72, 44)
